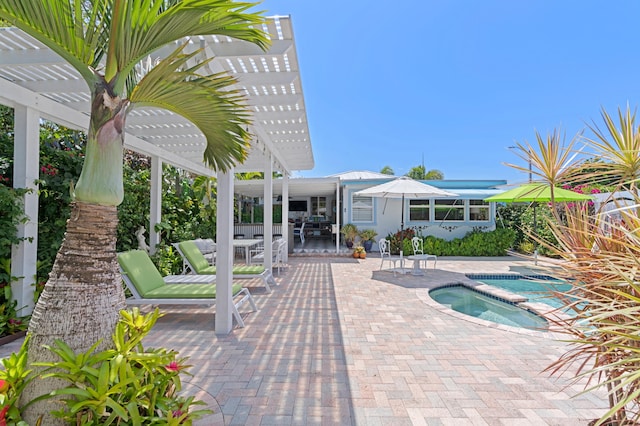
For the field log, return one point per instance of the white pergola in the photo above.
(38, 84)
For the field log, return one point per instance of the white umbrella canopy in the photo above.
(404, 187)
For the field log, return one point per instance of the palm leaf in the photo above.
(619, 146)
(551, 160)
(143, 29)
(219, 112)
(72, 29)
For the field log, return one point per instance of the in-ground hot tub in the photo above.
(479, 305)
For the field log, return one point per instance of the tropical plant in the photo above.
(367, 234)
(350, 232)
(366, 238)
(13, 378)
(602, 263)
(359, 252)
(618, 149)
(387, 170)
(421, 173)
(125, 385)
(108, 43)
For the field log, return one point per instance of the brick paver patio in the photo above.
(340, 343)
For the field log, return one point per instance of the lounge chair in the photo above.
(385, 254)
(149, 288)
(197, 264)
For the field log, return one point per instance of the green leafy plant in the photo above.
(125, 385)
(475, 243)
(350, 232)
(599, 256)
(367, 234)
(13, 378)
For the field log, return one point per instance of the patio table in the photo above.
(417, 258)
(246, 244)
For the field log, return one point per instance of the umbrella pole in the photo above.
(402, 235)
(535, 231)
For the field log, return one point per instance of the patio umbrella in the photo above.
(535, 193)
(404, 187)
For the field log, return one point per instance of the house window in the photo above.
(419, 210)
(449, 210)
(362, 209)
(478, 210)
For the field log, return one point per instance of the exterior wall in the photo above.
(387, 212)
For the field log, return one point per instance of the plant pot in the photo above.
(367, 245)
(363, 255)
(349, 244)
(356, 255)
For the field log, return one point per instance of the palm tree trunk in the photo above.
(82, 299)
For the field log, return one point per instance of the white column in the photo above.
(224, 256)
(26, 162)
(338, 210)
(285, 213)
(155, 207)
(268, 212)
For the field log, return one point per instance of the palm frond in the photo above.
(619, 146)
(551, 160)
(71, 28)
(219, 112)
(142, 30)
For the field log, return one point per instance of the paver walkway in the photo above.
(340, 343)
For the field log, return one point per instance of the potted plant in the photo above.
(359, 252)
(350, 232)
(366, 237)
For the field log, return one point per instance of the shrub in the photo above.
(125, 385)
(475, 243)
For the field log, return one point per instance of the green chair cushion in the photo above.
(141, 271)
(187, 291)
(248, 269)
(195, 257)
(240, 270)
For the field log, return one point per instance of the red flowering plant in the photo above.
(125, 384)
(401, 240)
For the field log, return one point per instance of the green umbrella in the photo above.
(535, 193)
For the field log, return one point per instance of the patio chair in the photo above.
(197, 264)
(299, 232)
(147, 286)
(419, 254)
(385, 255)
(278, 247)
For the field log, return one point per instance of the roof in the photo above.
(362, 175)
(34, 76)
(298, 187)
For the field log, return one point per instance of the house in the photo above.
(446, 218)
(320, 203)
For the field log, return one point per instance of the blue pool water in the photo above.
(470, 302)
(536, 290)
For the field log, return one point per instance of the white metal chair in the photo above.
(299, 232)
(385, 255)
(419, 254)
(278, 247)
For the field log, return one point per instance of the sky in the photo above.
(454, 83)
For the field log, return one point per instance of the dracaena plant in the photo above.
(601, 257)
